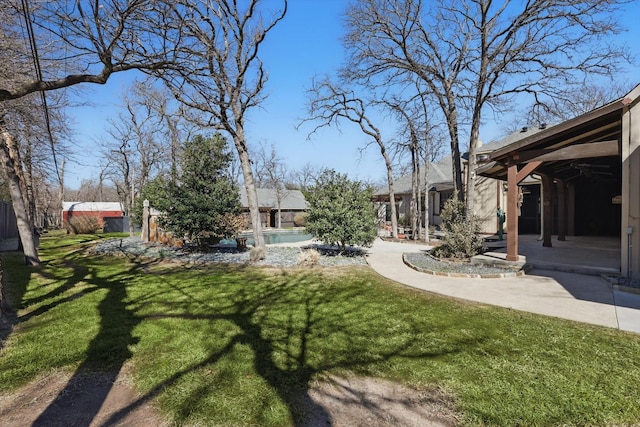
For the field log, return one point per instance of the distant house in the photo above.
(491, 193)
(440, 189)
(106, 212)
(292, 202)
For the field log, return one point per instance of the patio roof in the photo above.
(587, 144)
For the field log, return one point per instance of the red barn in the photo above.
(100, 210)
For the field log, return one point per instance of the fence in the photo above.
(8, 223)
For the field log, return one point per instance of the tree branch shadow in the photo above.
(285, 351)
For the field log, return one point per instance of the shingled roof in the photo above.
(440, 176)
(292, 199)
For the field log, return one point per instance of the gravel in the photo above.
(424, 261)
(276, 256)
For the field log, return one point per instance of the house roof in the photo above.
(509, 139)
(92, 206)
(267, 198)
(440, 176)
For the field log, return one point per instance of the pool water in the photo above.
(275, 236)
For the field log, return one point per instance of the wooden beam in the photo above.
(581, 151)
(527, 170)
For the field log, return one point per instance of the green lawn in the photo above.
(223, 345)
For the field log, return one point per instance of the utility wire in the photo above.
(36, 63)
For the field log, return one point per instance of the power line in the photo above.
(36, 63)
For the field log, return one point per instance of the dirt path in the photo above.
(32, 405)
(345, 402)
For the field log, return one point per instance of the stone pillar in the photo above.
(145, 221)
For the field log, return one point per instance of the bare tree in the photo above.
(329, 104)
(388, 43)
(223, 75)
(90, 41)
(93, 190)
(271, 172)
(551, 111)
(474, 54)
(85, 42)
(303, 178)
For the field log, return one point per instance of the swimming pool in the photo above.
(279, 236)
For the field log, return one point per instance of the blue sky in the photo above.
(305, 44)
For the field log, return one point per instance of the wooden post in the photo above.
(547, 209)
(145, 221)
(512, 213)
(562, 216)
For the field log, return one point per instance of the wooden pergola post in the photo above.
(562, 216)
(547, 209)
(512, 213)
(514, 176)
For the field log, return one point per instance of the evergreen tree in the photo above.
(205, 200)
(340, 211)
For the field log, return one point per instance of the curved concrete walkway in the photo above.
(582, 298)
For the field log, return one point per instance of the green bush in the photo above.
(340, 211)
(83, 225)
(462, 237)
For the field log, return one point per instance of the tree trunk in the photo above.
(471, 166)
(392, 193)
(426, 201)
(452, 124)
(25, 226)
(415, 193)
(61, 193)
(250, 187)
(392, 199)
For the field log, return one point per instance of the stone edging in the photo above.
(518, 273)
(613, 282)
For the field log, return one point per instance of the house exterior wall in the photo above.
(67, 215)
(630, 242)
(488, 196)
(435, 206)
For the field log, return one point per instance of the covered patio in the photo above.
(591, 255)
(589, 168)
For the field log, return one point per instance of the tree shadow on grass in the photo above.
(286, 347)
(18, 278)
(107, 352)
(287, 322)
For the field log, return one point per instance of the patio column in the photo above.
(571, 209)
(514, 176)
(512, 213)
(547, 209)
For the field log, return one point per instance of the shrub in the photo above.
(300, 219)
(256, 254)
(84, 225)
(340, 211)
(309, 258)
(462, 237)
